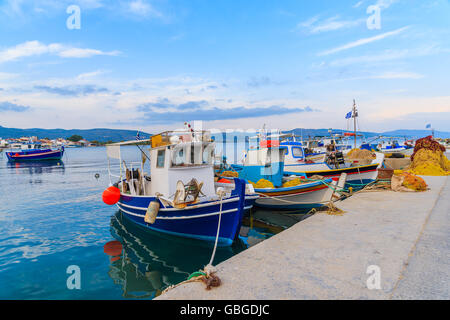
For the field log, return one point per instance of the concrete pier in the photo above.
(404, 234)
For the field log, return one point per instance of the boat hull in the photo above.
(35, 156)
(362, 174)
(303, 197)
(196, 221)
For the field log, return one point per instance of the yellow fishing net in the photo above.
(292, 183)
(430, 163)
(405, 181)
(262, 183)
(230, 174)
(361, 154)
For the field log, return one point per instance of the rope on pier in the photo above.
(207, 275)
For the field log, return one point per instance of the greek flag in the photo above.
(348, 115)
(428, 126)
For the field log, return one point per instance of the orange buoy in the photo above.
(111, 195)
(112, 248)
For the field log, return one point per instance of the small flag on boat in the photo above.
(428, 126)
(137, 136)
(348, 115)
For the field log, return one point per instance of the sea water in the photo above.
(52, 218)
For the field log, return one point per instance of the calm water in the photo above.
(52, 216)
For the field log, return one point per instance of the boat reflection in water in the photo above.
(37, 167)
(145, 262)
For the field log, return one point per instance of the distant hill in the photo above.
(394, 133)
(101, 134)
(417, 133)
(115, 135)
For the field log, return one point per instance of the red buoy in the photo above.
(111, 195)
(112, 248)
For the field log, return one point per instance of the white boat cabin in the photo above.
(175, 156)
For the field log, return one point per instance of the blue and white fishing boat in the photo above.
(35, 152)
(179, 195)
(268, 163)
(391, 145)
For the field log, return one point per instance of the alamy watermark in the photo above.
(74, 20)
(373, 282)
(374, 21)
(74, 280)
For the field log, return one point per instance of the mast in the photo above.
(355, 114)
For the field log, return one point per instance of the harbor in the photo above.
(296, 222)
(259, 152)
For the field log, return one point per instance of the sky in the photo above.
(151, 65)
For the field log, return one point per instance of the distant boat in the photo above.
(34, 152)
(358, 172)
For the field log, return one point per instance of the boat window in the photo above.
(208, 156)
(179, 158)
(160, 158)
(297, 152)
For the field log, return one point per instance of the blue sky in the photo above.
(153, 64)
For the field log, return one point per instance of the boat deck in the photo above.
(327, 257)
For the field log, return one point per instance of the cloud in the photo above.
(74, 91)
(363, 41)
(165, 104)
(397, 75)
(358, 4)
(143, 8)
(88, 75)
(388, 55)
(384, 4)
(9, 106)
(259, 82)
(195, 110)
(312, 26)
(35, 48)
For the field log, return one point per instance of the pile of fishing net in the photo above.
(429, 159)
(230, 174)
(292, 183)
(262, 184)
(405, 181)
(361, 154)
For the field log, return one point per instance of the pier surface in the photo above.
(405, 234)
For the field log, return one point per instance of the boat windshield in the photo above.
(297, 152)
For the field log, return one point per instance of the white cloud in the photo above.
(89, 75)
(363, 41)
(387, 55)
(35, 48)
(397, 75)
(384, 4)
(313, 26)
(143, 8)
(358, 4)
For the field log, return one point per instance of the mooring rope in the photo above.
(205, 275)
(218, 230)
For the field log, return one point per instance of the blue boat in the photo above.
(34, 152)
(179, 195)
(268, 163)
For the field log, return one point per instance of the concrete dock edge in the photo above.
(404, 235)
